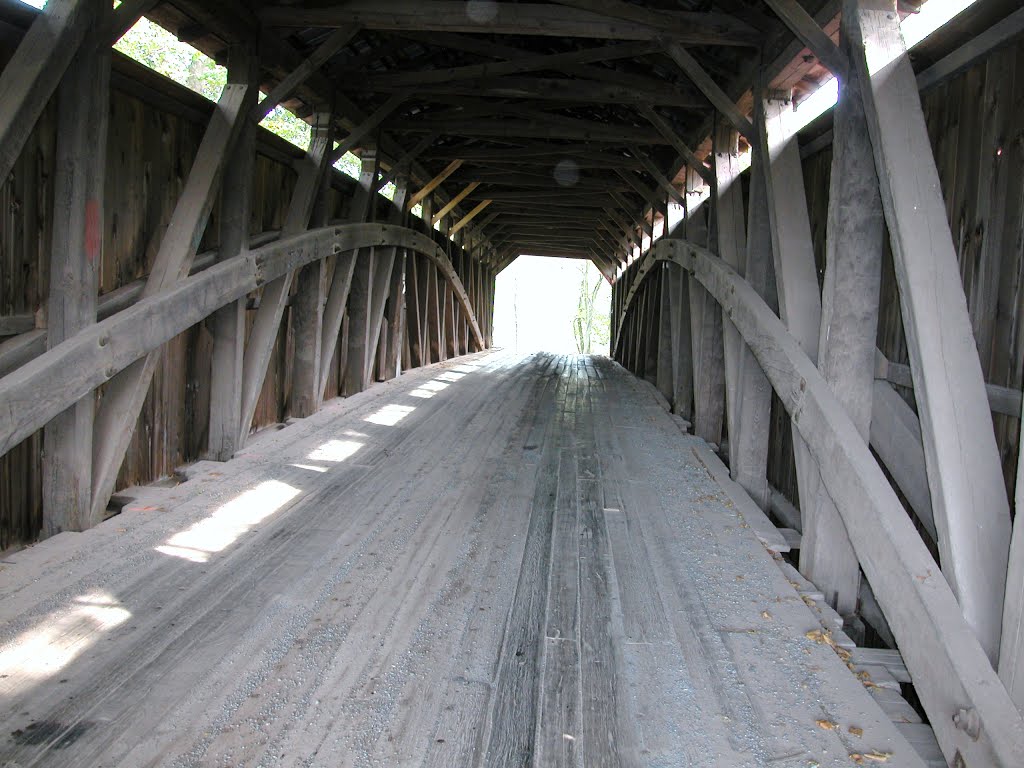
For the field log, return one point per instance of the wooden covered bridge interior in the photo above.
(270, 496)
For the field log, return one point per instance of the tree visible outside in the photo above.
(158, 49)
(590, 326)
(548, 304)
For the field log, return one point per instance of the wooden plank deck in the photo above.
(495, 561)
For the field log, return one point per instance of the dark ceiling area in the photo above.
(575, 119)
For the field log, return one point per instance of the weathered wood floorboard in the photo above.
(491, 561)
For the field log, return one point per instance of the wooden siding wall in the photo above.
(976, 126)
(150, 153)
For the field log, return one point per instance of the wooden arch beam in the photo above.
(38, 391)
(948, 665)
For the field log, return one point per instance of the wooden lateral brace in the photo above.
(1004, 400)
(434, 183)
(33, 72)
(118, 413)
(662, 126)
(450, 205)
(364, 128)
(18, 350)
(470, 216)
(708, 87)
(125, 16)
(807, 31)
(658, 176)
(334, 43)
(13, 325)
(42, 388)
(950, 670)
(967, 488)
(228, 324)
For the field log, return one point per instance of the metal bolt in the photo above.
(968, 721)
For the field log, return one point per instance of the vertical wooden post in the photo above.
(360, 300)
(307, 306)
(1011, 650)
(435, 317)
(748, 394)
(849, 324)
(753, 418)
(491, 286)
(682, 347)
(666, 363)
(649, 331)
(800, 309)
(413, 310)
(361, 209)
(312, 170)
(423, 285)
(968, 494)
(395, 316)
(76, 253)
(227, 326)
(446, 303)
(708, 350)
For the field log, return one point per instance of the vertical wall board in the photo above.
(26, 207)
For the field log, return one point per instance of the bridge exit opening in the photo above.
(552, 305)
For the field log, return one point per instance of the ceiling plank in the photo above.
(506, 18)
(674, 23)
(518, 65)
(558, 89)
(606, 133)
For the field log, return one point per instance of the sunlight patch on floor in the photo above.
(390, 414)
(226, 524)
(450, 376)
(46, 649)
(335, 450)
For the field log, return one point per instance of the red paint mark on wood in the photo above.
(92, 230)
